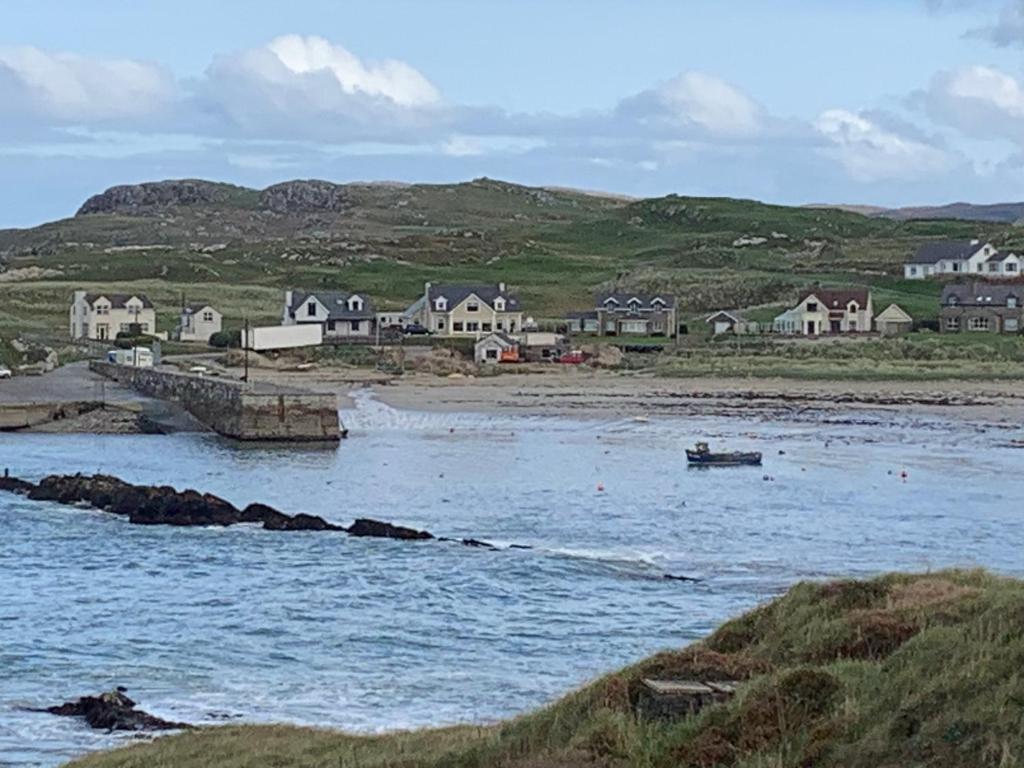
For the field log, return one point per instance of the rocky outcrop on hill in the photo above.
(113, 711)
(305, 197)
(142, 198)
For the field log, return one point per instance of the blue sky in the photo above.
(891, 103)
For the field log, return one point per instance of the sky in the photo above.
(882, 102)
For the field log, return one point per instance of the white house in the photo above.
(342, 314)
(1002, 264)
(951, 257)
(198, 322)
(827, 311)
(102, 316)
(496, 347)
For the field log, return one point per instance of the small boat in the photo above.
(701, 456)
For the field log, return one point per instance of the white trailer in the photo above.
(283, 336)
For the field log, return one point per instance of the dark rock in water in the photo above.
(261, 513)
(300, 522)
(478, 543)
(375, 528)
(673, 577)
(15, 485)
(113, 711)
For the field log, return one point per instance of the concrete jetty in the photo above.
(251, 412)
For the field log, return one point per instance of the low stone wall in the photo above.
(233, 410)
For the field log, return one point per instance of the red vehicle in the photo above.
(575, 357)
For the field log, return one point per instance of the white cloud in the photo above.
(695, 103)
(68, 87)
(872, 153)
(394, 80)
(696, 97)
(1008, 30)
(978, 101)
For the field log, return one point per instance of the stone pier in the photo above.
(234, 409)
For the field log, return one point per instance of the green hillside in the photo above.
(898, 672)
(555, 246)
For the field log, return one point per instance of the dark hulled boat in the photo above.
(701, 456)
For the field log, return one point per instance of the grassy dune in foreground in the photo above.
(899, 671)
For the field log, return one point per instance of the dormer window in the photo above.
(311, 309)
(1011, 301)
(441, 304)
(658, 302)
(952, 301)
(472, 306)
(499, 304)
(355, 304)
(610, 302)
(812, 306)
(853, 307)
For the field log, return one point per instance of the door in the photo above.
(810, 328)
(835, 326)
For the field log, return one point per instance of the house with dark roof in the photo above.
(467, 310)
(198, 322)
(823, 311)
(101, 316)
(952, 257)
(622, 313)
(343, 315)
(983, 307)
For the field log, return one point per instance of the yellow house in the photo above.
(824, 311)
(468, 310)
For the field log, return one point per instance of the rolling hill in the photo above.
(241, 246)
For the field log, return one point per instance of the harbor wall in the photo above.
(231, 408)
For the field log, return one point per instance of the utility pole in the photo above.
(245, 348)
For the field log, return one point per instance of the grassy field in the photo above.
(898, 672)
(241, 248)
(920, 356)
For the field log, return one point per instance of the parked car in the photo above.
(415, 329)
(575, 357)
(5, 373)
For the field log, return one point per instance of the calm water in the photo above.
(242, 624)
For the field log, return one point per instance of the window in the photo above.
(457, 327)
(330, 325)
(500, 325)
(1010, 266)
(952, 323)
(852, 325)
(853, 308)
(511, 326)
(441, 304)
(956, 266)
(812, 306)
(499, 304)
(913, 271)
(492, 354)
(440, 323)
(1011, 325)
(472, 306)
(102, 309)
(1011, 302)
(355, 304)
(993, 267)
(208, 316)
(472, 327)
(311, 309)
(144, 327)
(356, 325)
(485, 326)
(545, 353)
(978, 324)
(952, 301)
(123, 327)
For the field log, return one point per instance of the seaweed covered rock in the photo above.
(113, 711)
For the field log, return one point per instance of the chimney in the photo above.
(501, 287)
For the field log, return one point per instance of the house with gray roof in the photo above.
(624, 313)
(101, 316)
(982, 306)
(343, 315)
(467, 310)
(950, 257)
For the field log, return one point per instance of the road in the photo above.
(68, 384)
